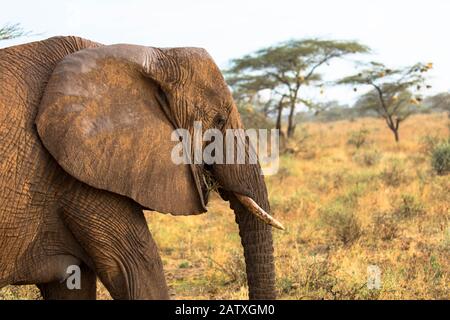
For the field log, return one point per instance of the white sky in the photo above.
(399, 32)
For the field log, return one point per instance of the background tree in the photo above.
(284, 68)
(395, 93)
(328, 111)
(439, 102)
(12, 31)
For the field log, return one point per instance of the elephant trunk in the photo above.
(256, 234)
(243, 185)
(256, 238)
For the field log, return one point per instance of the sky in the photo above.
(400, 32)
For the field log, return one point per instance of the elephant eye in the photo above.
(219, 121)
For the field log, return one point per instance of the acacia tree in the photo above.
(284, 69)
(12, 31)
(395, 93)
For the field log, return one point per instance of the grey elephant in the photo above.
(85, 145)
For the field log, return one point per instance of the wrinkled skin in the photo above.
(85, 147)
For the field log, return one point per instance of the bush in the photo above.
(283, 173)
(368, 158)
(428, 143)
(440, 158)
(286, 285)
(409, 207)
(234, 269)
(358, 138)
(385, 226)
(184, 265)
(342, 222)
(299, 144)
(287, 204)
(393, 174)
(318, 276)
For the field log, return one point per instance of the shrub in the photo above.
(335, 180)
(184, 265)
(385, 226)
(234, 269)
(440, 158)
(409, 207)
(299, 144)
(288, 203)
(318, 276)
(428, 143)
(368, 158)
(282, 174)
(303, 136)
(350, 198)
(286, 285)
(342, 222)
(393, 174)
(358, 138)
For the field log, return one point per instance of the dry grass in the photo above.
(345, 209)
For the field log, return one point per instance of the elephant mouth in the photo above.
(209, 183)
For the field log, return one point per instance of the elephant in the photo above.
(85, 148)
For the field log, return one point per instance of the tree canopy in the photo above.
(283, 69)
(395, 93)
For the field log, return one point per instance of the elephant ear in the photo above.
(105, 118)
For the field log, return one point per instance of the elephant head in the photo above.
(107, 117)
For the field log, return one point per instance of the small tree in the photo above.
(395, 93)
(285, 68)
(12, 31)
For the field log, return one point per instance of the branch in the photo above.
(321, 62)
(380, 96)
(11, 31)
(276, 76)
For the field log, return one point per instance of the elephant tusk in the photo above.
(253, 207)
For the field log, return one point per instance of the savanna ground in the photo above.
(345, 208)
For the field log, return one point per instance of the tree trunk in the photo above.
(291, 124)
(397, 138)
(393, 126)
(395, 132)
(279, 115)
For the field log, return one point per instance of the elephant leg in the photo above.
(58, 290)
(114, 233)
